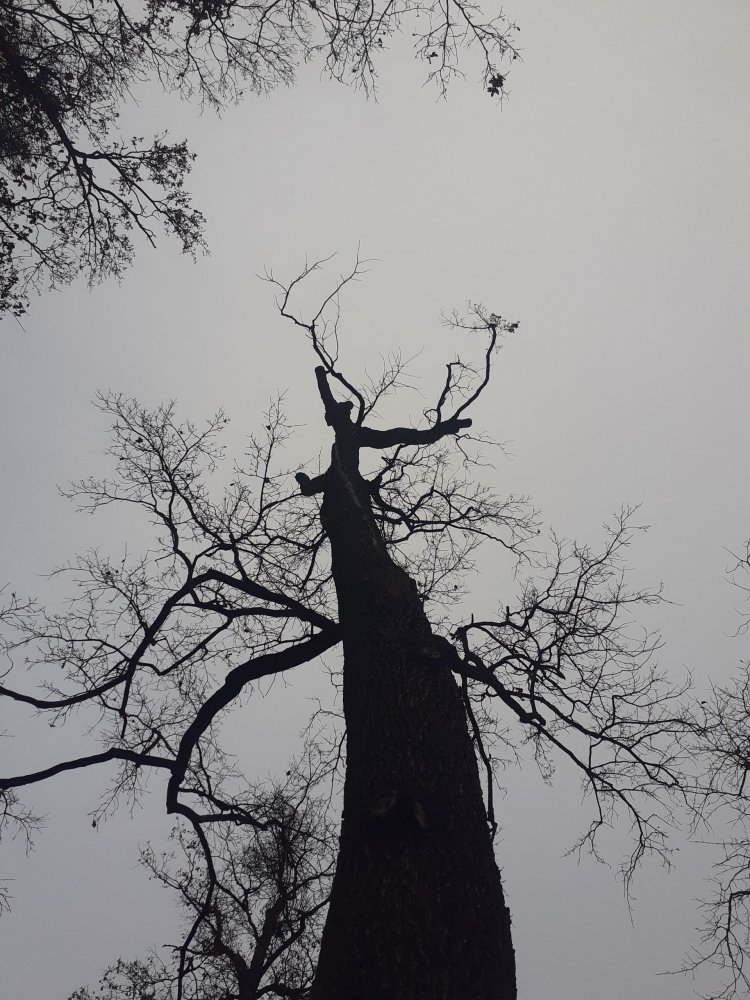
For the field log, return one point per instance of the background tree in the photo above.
(270, 577)
(253, 904)
(723, 744)
(73, 190)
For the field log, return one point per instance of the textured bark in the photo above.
(417, 908)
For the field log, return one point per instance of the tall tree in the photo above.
(73, 190)
(362, 554)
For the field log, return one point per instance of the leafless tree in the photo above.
(271, 575)
(722, 744)
(254, 904)
(73, 190)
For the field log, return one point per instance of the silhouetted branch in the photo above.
(254, 898)
(573, 669)
(368, 437)
(721, 749)
(139, 759)
(236, 680)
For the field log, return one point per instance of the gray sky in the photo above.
(606, 208)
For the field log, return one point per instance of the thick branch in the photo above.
(142, 759)
(254, 589)
(368, 437)
(236, 680)
(68, 702)
(245, 586)
(309, 487)
(336, 413)
(472, 668)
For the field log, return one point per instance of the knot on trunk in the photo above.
(307, 486)
(437, 649)
(395, 818)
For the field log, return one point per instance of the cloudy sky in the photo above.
(606, 208)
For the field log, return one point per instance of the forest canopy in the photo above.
(75, 191)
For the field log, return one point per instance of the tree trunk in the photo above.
(417, 909)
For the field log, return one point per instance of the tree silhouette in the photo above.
(722, 745)
(364, 555)
(73, 190)
(254, 905)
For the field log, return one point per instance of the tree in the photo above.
(73, 190)
(723, 745)
(269, 578)
(254, 903)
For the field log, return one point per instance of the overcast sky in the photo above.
(606, 208)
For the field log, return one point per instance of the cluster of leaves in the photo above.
(73, 192)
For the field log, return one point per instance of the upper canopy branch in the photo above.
(369, 437)
(464, 384)
(338, 416)
(323, 332)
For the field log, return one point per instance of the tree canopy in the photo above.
(723, 747)
(75, 192)
(572, 221)
(269, 879)
(269, 575)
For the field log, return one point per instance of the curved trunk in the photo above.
(417, 909)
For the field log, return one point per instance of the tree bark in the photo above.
(417, 909)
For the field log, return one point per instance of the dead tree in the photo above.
(359, 555)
